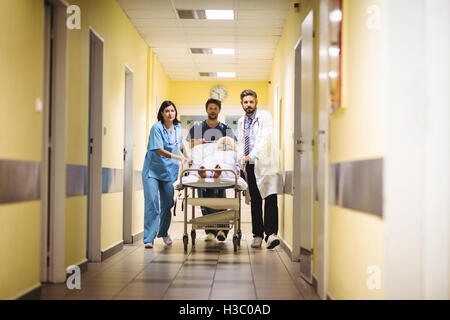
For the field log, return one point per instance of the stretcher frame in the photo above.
(223, 222)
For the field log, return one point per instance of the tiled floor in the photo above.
(211, 271)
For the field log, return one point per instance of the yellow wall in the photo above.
(160, 89)
(198, 92)
(122, 46)
(137, 219)
(21, 54)
(282, 76)
(356, 133)
(21, 81)
(356, 241)
(76, 230)
(20, 243)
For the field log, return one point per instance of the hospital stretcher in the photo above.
(230, 215)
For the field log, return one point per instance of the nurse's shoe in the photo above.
(256, 242)
(272, 241)
(210, 237)
(167, 240)
(149, 245)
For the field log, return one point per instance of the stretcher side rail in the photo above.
(215, 170)
(232, 206)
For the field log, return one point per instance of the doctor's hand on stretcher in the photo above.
(244, 159)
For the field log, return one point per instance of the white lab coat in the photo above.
(265, 151)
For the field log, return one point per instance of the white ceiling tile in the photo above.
(260, 14)
(158, 23)
(254, 35)
(253, 23)
(204, 4)
(264, 4)
(144, 4)
(151, 14)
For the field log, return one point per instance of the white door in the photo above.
(304, 152)
(128, 159)
(53, 173)
(95, 148)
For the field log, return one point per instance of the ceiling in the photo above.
(254, 34)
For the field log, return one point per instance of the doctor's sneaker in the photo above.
(167, 240)
(221, 236)
(148, 245)
(210, 237)
(256, 243)
(272, 241)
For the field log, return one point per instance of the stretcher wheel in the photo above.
(193, 236)
(235, 243)
(185, 242)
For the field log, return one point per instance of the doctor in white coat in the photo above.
(258, 150)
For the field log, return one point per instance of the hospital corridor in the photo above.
(247, 150)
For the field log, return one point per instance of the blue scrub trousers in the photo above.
(158, 196)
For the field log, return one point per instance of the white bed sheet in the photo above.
(197, 182)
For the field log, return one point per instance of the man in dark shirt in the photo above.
(208, 131)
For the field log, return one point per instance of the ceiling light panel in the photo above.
(207, 74)
(223, 51)
(226, 74)
(219, 14)
(191, 14)
(201, 51)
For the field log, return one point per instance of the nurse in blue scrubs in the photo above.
(164, 153)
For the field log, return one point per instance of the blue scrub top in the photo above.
(159, 167)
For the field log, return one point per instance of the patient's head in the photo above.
(226, 144)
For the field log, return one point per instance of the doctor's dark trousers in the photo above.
(270, 223)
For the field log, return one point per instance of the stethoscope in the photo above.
(254, 123)
(169, 140)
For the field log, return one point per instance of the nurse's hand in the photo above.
(187, 160)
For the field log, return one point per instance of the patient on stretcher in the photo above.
(216, 155)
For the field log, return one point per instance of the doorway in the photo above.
(303, 214)
(53, 169)
(128, 158)
(96, 45)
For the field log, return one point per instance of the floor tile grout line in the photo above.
(98, 272)
(251, 270)
(129, 282)
(176, 275)
(214, 277)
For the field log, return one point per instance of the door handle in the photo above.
(319, 132)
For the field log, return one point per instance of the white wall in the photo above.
(417, 139)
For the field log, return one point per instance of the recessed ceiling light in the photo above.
(333, 74)
(336, 15)
(208, 74)
(201, 51)
(223, 51)
(334, 51)
(219, 14)
(226, 74)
